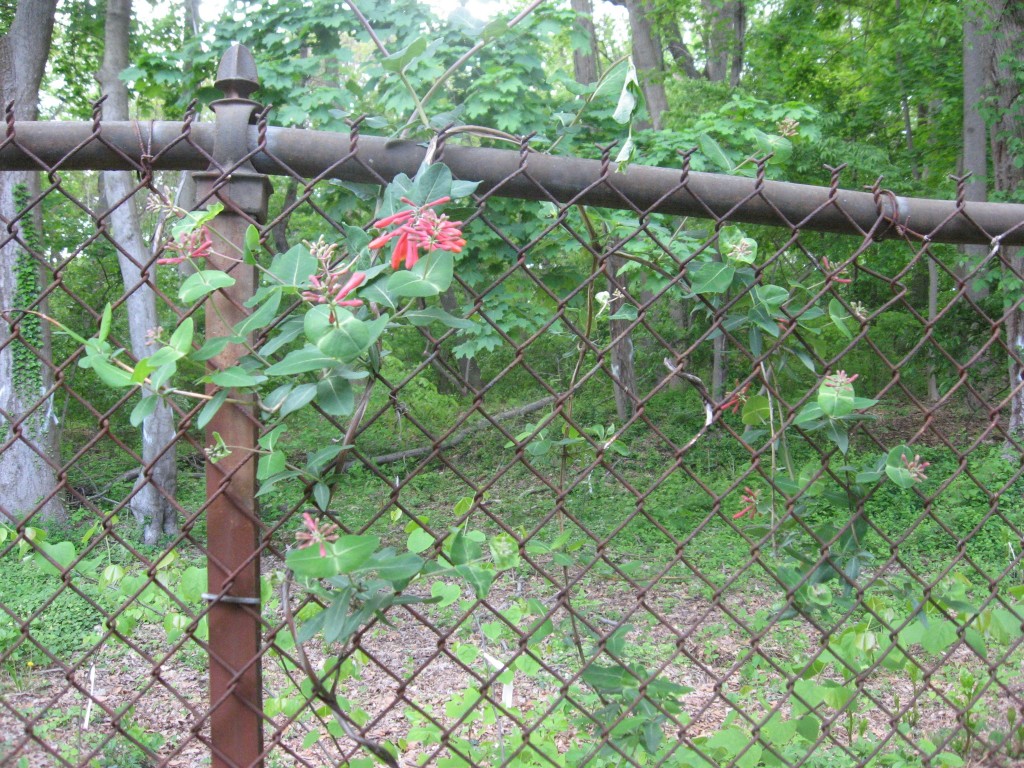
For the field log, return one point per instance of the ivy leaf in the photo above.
(756, 410)
(392, 567)
(270, 464)
(480, 577)
(897, 470)
(105, 321)
(463, 549)
(610, 679)
(298, 398)
(261, 317)
(840, 316)
(181, 339)
(214, 347)
(252, 245)
(309, 358)
(110, 374)
(714, 153)
(347, 339)
(836, 401)
(63, 552)
(399, 60)
(342, 556)
(436, 314)
(838, 434)
(431, 183)
(334, 395)
(463, 188)
(779, 146)
(625, 312)
(419, 540)
(235, 376)
(211, 408)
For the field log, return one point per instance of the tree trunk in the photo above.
(584, 59)
(28, 481)
(725, 30)
(648, 59)
(975, 160)
(153, 495)
(1005, 133)
(280, 230)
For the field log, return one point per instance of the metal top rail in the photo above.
(519, 174)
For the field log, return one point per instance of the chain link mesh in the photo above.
(602, 409)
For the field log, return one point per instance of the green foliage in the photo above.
(27, 351)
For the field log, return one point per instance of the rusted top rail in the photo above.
(165, 145)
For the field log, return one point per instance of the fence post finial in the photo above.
(236, 74)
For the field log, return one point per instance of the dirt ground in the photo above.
(692, 639)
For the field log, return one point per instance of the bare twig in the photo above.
(472, 52)
(709, 406)
(458, 437)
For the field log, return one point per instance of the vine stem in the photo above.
(320, 690)
(472, 52)
(564, 457)
(401, 73)
(576, 118)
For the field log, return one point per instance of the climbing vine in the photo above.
(27, 366)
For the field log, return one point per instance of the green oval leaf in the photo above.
(342, 556)
(712, 277)
(202, 283)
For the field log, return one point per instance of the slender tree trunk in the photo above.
(975, 159)
(1006, 135)
(725, 29)
(153, 495)
(280, 230)
(584, 59)
(648, 58)
(28, 480)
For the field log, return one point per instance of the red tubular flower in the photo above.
(840, 379)
(328, 288)
(750, 499)
(839, 275)
(353, 282)
(406, 250)
(735, 402)
(419, 228)
(916, 467)
(315, 534)
(195, 245)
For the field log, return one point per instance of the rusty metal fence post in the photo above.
(236, 712)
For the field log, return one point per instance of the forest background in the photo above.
(913, 94)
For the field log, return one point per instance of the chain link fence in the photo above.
(737, 459)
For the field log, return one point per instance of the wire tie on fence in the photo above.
(210, 597)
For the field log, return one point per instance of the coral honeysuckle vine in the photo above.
(325, 351)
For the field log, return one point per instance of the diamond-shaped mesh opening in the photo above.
(698, 567)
